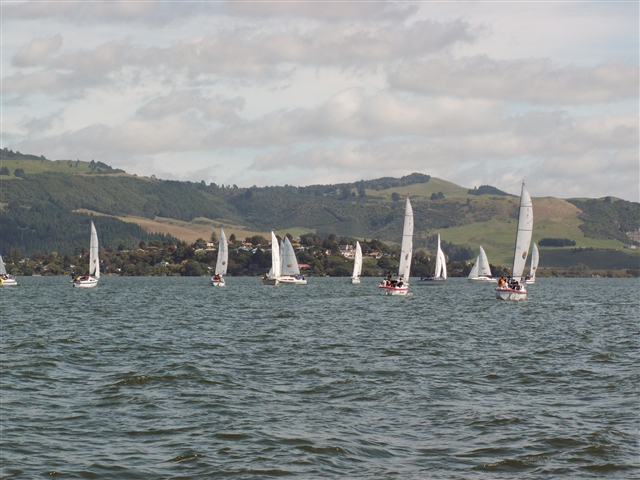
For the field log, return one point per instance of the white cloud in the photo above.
(532, 80)
(37, 51)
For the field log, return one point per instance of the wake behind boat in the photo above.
(440, 273)
(514, 288)
(400, 286)
(217, 280)
(91, 280)
(5, 279)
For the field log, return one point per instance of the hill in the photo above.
(73, 190)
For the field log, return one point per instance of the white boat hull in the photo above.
(286, 280)
(504, 293)
(432, 282)
(391, 290)
(270, 281)
(530, 281)
(218, 283)
(355, 281)
(91, 282)
(483, 280)
(8, 282)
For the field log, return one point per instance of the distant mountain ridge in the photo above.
(364, 209)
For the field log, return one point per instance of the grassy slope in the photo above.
(40, 166)
(187, 231)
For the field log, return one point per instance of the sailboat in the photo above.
(271, 278)
(5, 279)
(217, 280)
(357, 265)
(440, 272)
(515, 288)
(400, 286)
(91, 280)
(481, 271)
(535, 258)
(289, 270)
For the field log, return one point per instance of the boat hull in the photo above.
(89, 283)
(483, 280)
(8, 282)
(218, 283)
(432, 282)
(531, 281)
(292, 280)
(355, 281)
(386, 290)
(270, 281)
(511, 294)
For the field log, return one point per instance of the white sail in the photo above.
(3, 269)
(407, 243)
(483, 266)
(535, 258)
(223, 255)
(94, 261)
(443, 263)
(474, 270)
(275, 257)
(357, 264)
(438, 269)
(289, 261)
(523, 238)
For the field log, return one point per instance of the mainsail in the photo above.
(523, 237)
(275, 257)
(357, 264)
(3, 269)
(289, 261)
(94, 261)
(441, 263)
(483, 263)
(407, 243)
(223, 255)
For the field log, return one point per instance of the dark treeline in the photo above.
(556, 242)
(487, 190)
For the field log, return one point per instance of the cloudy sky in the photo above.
(273, 93)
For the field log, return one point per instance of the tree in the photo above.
(14, 254)
(19, 172)
(214, 237)
(4, 171)
(395, 196)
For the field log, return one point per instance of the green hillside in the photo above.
(467, 217)
(33, 164)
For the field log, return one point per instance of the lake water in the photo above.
(171, 378)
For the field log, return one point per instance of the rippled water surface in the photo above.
(172, 378)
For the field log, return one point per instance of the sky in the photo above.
(300, 93)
